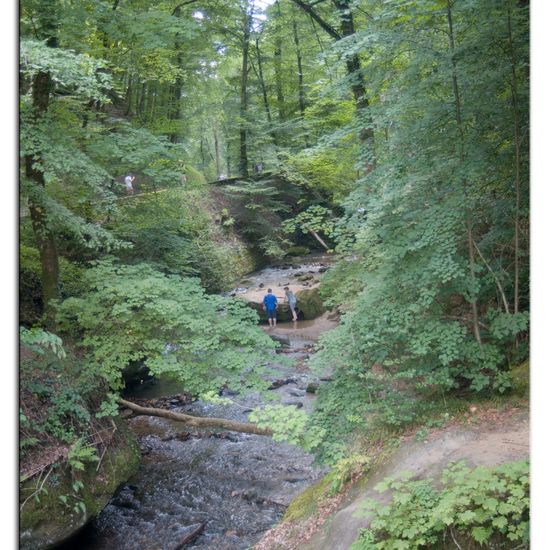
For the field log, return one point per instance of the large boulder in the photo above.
(55, 515)
(310, 304)
(283, 311)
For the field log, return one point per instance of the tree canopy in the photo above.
(393, 134)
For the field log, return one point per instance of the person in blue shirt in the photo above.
(270, 307)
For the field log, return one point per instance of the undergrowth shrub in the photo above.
(60, 393)
(136, 314)
(486, 507)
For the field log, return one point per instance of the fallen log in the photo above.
(197, 421)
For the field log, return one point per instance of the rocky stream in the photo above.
(218, 490)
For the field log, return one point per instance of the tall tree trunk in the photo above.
(243, 156)
(217, 151)
(154, 93)
(45, 241)
(175, 108)
(278, 57)
(41, 88)
(203, 156)
(353, 66)
(301, 91)
(141, 103)
(458, 118)
(129, 93)
(517, 141)
(148, 100)
(264, 91)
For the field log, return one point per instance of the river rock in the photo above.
(334, 315)
(291, 402)
(227, 392)
(312, 387)
(135, 374)
(282, 382)
(126, 499)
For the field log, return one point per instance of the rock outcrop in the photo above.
(62, 506)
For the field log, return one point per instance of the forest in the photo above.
(179, 157)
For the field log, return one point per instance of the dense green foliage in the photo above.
(175, 231)
(133, 313)
(488, 506)
(394, 134)
(434, 278)
(60, 394)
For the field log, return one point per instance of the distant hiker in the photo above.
(258, 167)
(184, 178)
(270, 307)
(128, 181)
(292, 301)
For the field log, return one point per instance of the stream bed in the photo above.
(221, 489)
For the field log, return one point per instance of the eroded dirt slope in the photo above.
(488, 437)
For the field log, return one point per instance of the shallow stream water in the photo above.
(235, 486)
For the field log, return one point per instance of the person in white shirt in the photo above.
(128, 181)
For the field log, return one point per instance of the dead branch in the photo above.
(197, 421)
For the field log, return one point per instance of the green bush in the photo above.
(134, 313)
(194, 177)
(59, 393)
(485, 506)
(174, 231)
(30, 286)
(30, 283)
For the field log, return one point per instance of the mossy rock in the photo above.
(283, 311)
(298, 251)
(310, 303)
(307, 502)
(520, 379)
(309, 306)
(48, 521)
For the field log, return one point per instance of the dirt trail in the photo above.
(492, 438)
